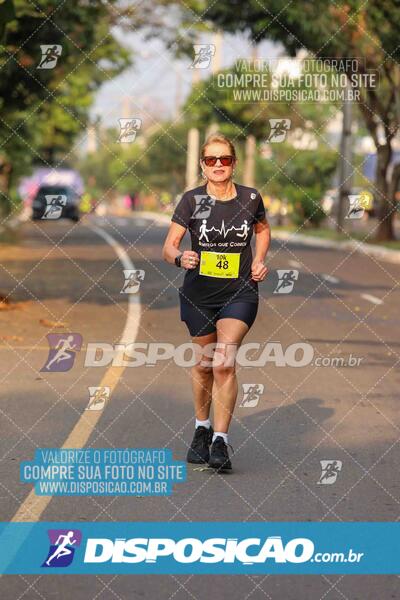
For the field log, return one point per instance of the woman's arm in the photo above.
(263, 239)
(171, 250)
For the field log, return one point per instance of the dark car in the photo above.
(56, 202)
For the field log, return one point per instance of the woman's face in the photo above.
(218, 173)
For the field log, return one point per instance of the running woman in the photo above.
(219, 296)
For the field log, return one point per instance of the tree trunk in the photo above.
(249, 161)
(394, 186)
(385, 230)
(345, 164)
(5, 174)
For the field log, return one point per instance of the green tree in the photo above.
(153, 164)
(163, 164)
(44, 110)
(286, 174)
(212, 102)
(300, 178)
(339, 30)
(7, 13)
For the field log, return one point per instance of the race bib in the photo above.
(218, 264)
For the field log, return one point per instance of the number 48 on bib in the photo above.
(217, 264)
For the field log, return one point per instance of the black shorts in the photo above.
(201, 320)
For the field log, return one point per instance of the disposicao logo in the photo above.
(62, 547)
(247, 551)
(62, 352)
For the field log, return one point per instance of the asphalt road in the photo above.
(342, 304)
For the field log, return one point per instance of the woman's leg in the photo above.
(202, 378)
(202, 384)
(230, 333)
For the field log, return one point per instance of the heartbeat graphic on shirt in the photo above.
(242, 231)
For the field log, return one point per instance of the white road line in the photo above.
(372, 299)
(132, 322)
(33, 506)
(329, 278)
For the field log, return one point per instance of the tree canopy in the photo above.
(44, 110)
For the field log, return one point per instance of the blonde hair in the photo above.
(218, 138)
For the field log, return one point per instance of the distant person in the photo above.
(219, 296)
(85, 205)
(135, 201)
(127, 200)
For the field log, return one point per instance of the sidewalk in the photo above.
(384, 254)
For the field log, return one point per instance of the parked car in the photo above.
(56, 202)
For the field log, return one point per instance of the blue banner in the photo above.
(103, 472)
(199, 548)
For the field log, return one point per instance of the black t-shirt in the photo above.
(220, 226)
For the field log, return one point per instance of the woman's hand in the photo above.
(258, 270)
(189, 259)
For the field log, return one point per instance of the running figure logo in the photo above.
(203, 208)
(203, 54)
(251, 394)
(241, 232)
(330, 470)
(133, 279)
(358, 204)
(287, 278)
(54, 206)
(63, 348)
(279, 129)
(98, 397)
(128, 129)
(50, 55)
(62, 547)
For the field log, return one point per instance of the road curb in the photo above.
(384, 254)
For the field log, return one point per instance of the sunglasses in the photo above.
(211, 161)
